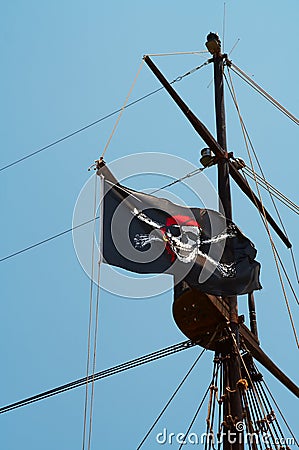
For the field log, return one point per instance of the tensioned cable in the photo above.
(178, 388)
(263, 215)
(283, 266)
(261, 91)
(179, 53)
(277, 430)
(103, 374)
(69, 230)
(101, 119)
(122, 109)
(256, 177)
(280, 412)
(178, 180)
(99, 265)
(90, 314)
(223, 25)
(234, 46)
(215, 372)
(256, 395)
(195, 415)
(264, 183)
(277, 194)
(247, 372)
(170, 400)
(130, 92)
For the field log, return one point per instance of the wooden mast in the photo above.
(232, 402)
(203, 317)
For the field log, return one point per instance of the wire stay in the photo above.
(100, 375)
(69, 230)
(249, 145)
(261, 91)
(95, 122)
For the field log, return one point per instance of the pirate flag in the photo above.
(145, 234)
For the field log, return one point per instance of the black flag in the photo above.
(146, 234)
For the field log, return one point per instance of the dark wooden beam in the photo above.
(204, 133)
(252, 343)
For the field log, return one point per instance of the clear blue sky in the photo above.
(63, 65)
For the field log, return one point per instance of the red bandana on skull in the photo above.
(177, 226)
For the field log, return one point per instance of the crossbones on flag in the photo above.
(145, 234)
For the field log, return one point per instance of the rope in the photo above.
(195, 415)
(258, 401)
(275, 192)
(261, 91)
(281, 414)
(94, 356)
(271, 414)
(103, 374)
(216, 368)
(178, 388)
(274, 249)
(284, 269)
(234, 46)
(179, 53)
(223, 24)
(263, 214)
(245, 368)
(266, 185)
(170, 400)
(85, 127)
(178, 180)
(90, 314)
(95, 334)
(122, 109)
(69, 230)
(179, 78)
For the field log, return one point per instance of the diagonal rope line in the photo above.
(202, 52)
(262, 92)
(170, 399)
(122, 109)
(90, 315)
(95, 336)
(277, 194)
(280, 412)
(55, 236)
(103, 374)
(256, 393)
(178, 388)
(69, 230)
(263, 214)
(101, 119)
(201, 403)
(255, 176)
(195, 415)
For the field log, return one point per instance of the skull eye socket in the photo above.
(192, 236)
(174, 230)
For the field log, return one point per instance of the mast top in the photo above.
(213, 43)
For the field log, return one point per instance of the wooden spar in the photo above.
(252, 314)
(249, 338)
(216, 148)
(217, 310)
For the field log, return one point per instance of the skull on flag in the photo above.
(183, 239)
